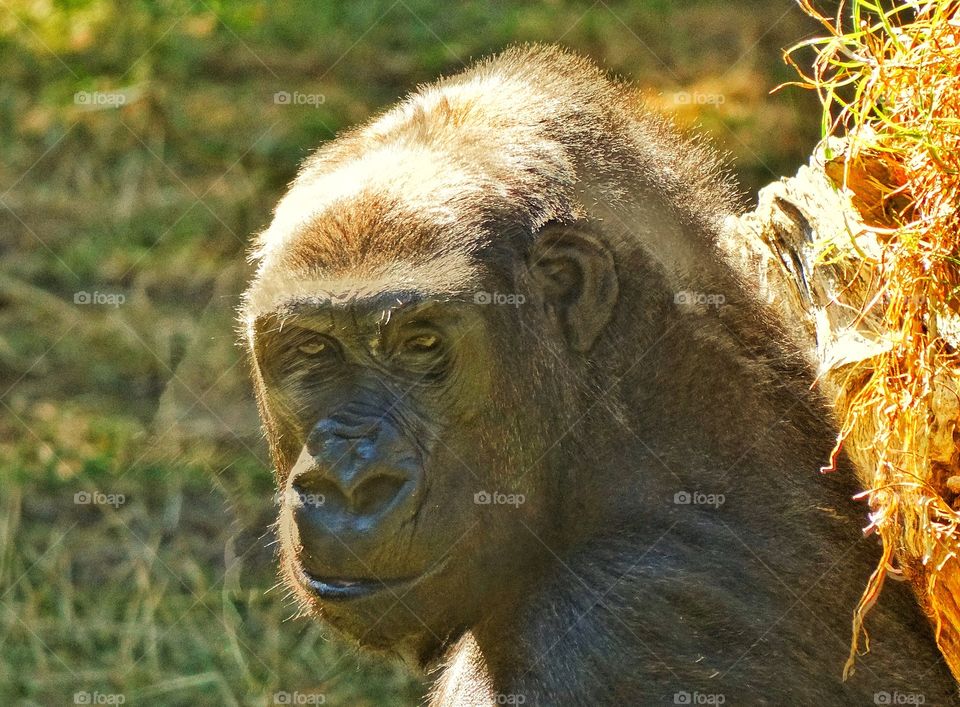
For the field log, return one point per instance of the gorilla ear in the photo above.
(574, 274)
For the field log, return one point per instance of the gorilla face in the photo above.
(398, 431)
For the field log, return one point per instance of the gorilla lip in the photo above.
(342, 589)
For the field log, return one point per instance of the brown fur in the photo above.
(599, 403)
(507, 143)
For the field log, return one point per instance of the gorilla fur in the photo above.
(675, 542)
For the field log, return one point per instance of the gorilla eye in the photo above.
(422, 343)
(423, 351)
(311, 348)
(316, 346)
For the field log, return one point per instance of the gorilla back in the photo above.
(529, 426)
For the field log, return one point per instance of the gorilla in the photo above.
(536, 435)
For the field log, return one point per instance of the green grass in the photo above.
(164, 599)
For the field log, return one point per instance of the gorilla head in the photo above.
(494, 343)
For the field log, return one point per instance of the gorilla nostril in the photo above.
(374, 495)
(368, 497)
(314, 491)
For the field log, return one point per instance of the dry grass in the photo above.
(888, 77)
(155, 200)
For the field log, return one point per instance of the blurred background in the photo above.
(142, 142)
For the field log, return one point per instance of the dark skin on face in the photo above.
(489, 486)
(378, 396)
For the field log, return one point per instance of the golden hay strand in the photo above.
(888, 76)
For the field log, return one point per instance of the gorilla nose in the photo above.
(354, 477)
(351, 486)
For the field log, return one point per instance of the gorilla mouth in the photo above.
(345, 589)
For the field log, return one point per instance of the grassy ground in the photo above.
(141, 144)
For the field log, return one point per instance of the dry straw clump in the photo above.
(888, 76)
